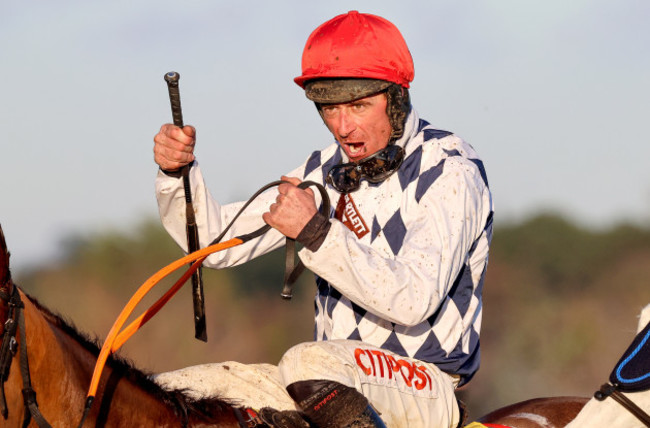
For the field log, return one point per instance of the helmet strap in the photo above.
(398, 107)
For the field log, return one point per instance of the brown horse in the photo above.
(61, 363)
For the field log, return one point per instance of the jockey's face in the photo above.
(361, 127)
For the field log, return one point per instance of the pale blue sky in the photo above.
(553, 94)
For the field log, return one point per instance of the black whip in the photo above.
(192, 231)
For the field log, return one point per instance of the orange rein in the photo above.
(117, 338)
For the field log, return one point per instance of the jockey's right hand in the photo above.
(174, 147)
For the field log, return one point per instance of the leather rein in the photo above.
(16, 324)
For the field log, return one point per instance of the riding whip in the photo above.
(191, 229)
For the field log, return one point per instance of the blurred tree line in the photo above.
(560, 305)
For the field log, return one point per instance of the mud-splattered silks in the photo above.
(413, 284)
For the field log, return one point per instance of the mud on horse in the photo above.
(53, 363)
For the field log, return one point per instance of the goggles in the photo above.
(376, 168)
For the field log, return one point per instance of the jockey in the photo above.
(399, 263)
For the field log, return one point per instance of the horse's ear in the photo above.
(644, 318)
(4, 259)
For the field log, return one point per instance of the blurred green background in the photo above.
(560, 304)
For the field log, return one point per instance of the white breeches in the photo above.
(406, 392)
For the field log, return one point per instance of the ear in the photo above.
(4, 259)
(644, 318)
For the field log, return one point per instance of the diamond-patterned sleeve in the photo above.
(432, 240)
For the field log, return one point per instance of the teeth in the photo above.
(354, 149)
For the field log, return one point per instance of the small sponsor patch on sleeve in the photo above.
(348, 214)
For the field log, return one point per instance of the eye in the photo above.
(329, 111)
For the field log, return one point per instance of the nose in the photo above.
(346, 124)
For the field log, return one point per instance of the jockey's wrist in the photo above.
(175, 173)
(314, 232)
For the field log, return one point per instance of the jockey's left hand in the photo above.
(293, 208)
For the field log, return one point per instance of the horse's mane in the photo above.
(184, 406)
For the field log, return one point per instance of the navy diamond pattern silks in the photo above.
(312, 163)
(434, 133)
(462, 290)
(449, 338)
(393, 344)
(481, 168)
(334, 298)
(410, 169)
(355, 335)
(431, 349)
(427, 179)
(376, 228)
(359, 312)
(413, 283)
(395, 231)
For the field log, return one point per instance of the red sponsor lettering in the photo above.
(357, 356)
(324, 401)
(372, 361)
(419, 372)
(380, 354)
(426, 373)
(410, 371)
(392, 364)
(379, 364)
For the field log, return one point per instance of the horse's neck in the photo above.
(60, 370)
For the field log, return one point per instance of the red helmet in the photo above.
(357, 45)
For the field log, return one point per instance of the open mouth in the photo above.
(354, 149)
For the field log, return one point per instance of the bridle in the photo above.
(15, 323)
